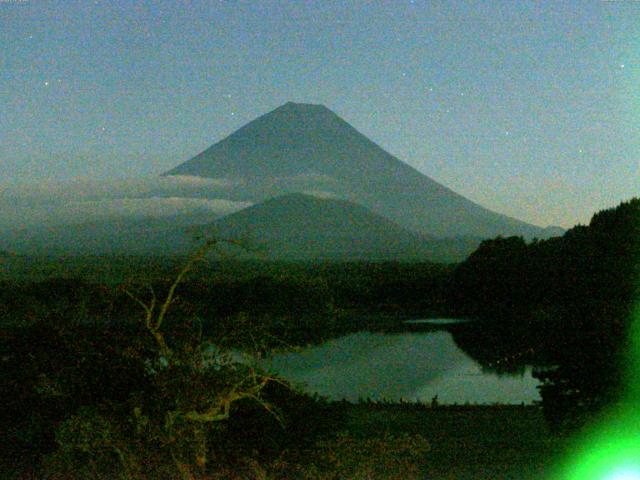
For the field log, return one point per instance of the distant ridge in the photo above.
(309, 149)
(303, 227)
(110, 236)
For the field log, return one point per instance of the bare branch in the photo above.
(140, 302)
(199, 255)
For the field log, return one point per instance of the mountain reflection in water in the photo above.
(409, 366)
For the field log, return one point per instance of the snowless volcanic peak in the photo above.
(294, 139)
(307, 148)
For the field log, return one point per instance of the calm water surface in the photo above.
(409, 366)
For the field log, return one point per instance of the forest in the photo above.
(566, 304)
(129, 368)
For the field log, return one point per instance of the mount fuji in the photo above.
(304, 148)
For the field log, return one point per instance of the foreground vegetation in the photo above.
(112, 372)
(140, 381)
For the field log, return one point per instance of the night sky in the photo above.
(531, 109)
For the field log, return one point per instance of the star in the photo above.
(622, 65)
(46, 84)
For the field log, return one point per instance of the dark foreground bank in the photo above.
(401, 441)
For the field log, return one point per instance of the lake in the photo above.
(409, 366)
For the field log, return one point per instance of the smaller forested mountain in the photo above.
(303, 227)
(568, 301)
(290, 227)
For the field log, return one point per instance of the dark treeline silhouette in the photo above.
(563, 304)
(298, 303)
(84, 387)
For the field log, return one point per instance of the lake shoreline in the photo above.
(409, 366)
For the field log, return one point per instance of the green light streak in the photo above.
(610, 448)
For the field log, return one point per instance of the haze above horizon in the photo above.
(530, 110)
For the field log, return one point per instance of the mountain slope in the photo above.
(309, 149)
(302, 227)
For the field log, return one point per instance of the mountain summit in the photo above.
(309, 149)
(294, 139)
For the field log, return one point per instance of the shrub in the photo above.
(167, 428)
